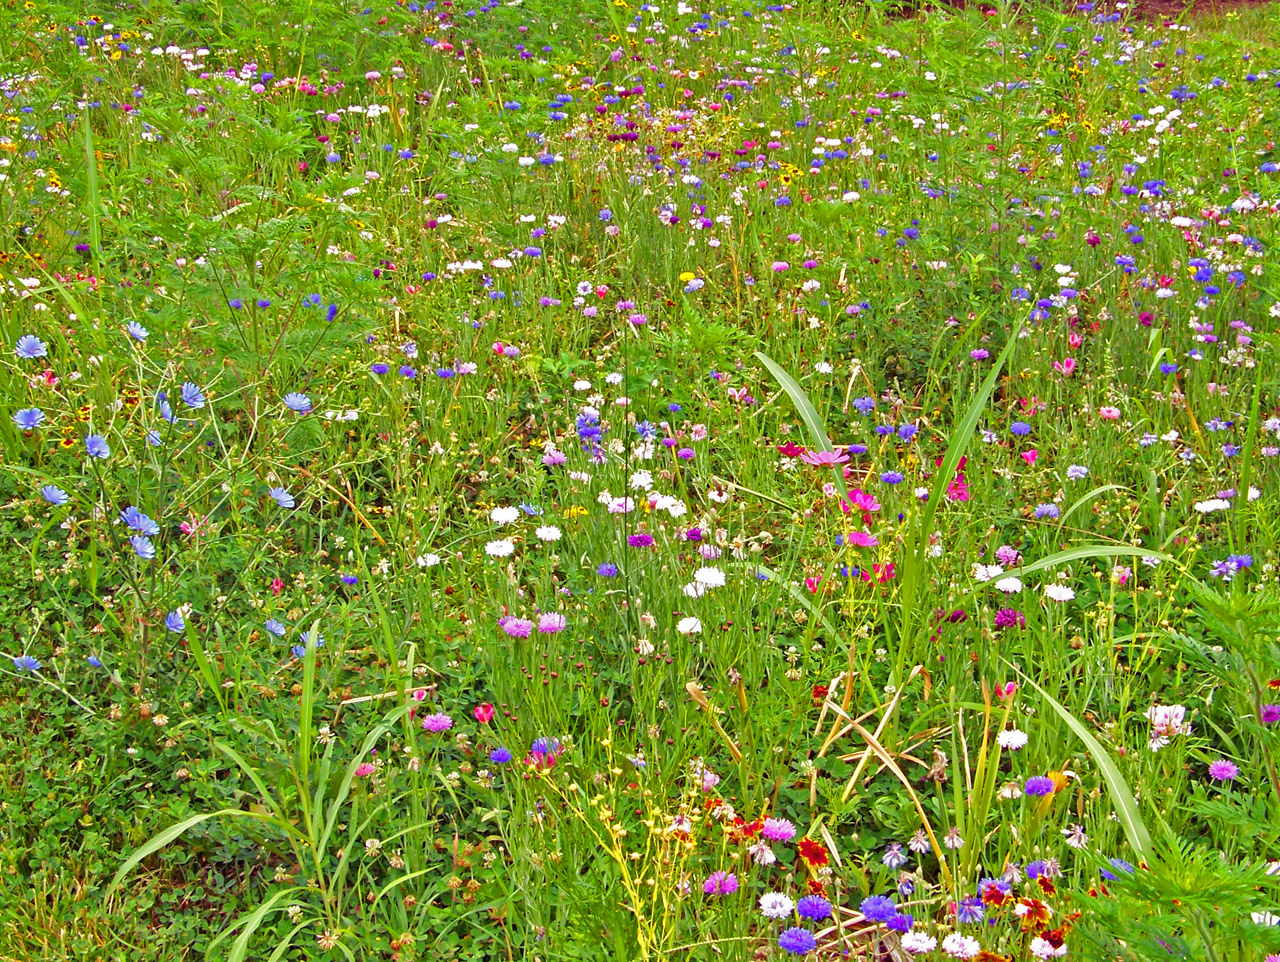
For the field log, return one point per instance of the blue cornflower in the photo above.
(95, 661)
(137, 331)
(531, 510)
(54, 495)
(1241, 561)
(878, 908)
(1039, 785)
(1020, 428)
(29, 347)
(312, 300)
(894, 857)
(406, 154)
(298, 403)
(97, 447)
(300, 651)
(646, 430)
(153, 438)
(143, 547)
(970, 911)
(892, 477)
(139, 522)
(281, 497)
(607, 570)
(28, 419)
(864, 405)
(1047, 511)
(500, 756)
(797, 941)
(814, 907)
(407, 371)
(1230, 450)
(349, 579)
(26, 663)
(275, 627)
(902, 922)
(1120, 865)
(907, 431)
(175, 622)
(588, 427)
(192, 396)
(235, 303)
(379, 368)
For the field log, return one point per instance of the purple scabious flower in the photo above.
(1047, 511)
(437, 723)
(814, 907)
(720, 883)
(1039, 785)
(1020, 429)
(878, 908)
(797, 941)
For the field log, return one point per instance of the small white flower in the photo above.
(1213, 504)
(709, 577)
(1056, 592)
(640, 481)
(582, 385)
(500, 548)
(1043, 949)
(775, 905)
(504, 515)
(689, 626)
(961, 946)
(1010, 585)
(427, 560)
(917, 943)
(822, 367)
(983, 572)
(548, 532)
(613, 377)
(1012, 740)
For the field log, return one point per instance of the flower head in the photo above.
(797, 941)
(281, 497)
(97, 447)
(28, 419)
(30, 347)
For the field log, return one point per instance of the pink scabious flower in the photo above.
(720, 883)
(516, 627)
(437, 723)
(550, 622)
(554, 459)
(778, 830)
(824, 459)
(1108, 413)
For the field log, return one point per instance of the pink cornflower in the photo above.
(437, 723)
(516, 627)
(778, 830)
(551, 622)
(1223, 770)
(720, 883)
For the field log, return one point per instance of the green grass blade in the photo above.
(168, 835)
(808, 413)
(1135, 830)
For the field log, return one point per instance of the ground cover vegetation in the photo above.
(608, 480)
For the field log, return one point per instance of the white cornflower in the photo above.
(983, 572)
(1056, 592)
(709, 577)
(500, 548)
(1012, 740)
(548, 532)
(689, 626)
(775, 905)
(961, 946)
(504, 515)
(1010, 585)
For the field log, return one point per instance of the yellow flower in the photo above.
(687, 276)
(576, 511)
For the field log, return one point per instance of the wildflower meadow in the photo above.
(528, 480)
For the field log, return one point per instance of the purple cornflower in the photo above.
(878, 908)
(607, 569)
(814, 907)
(500, 756)
(778, 830)
(797, 941)
(1270, 714)
(641, 540)
(1009, 618)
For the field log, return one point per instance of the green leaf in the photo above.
(1135, 830)
(168, 835)
(808, 413)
